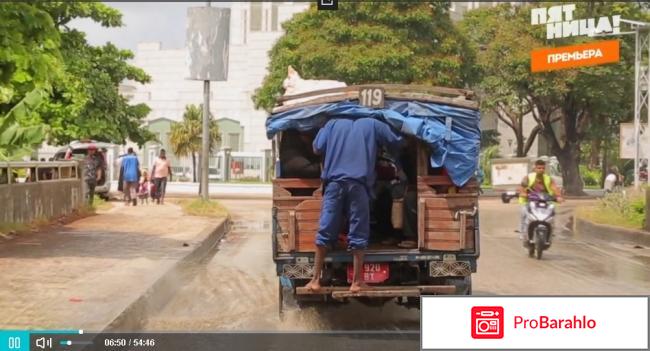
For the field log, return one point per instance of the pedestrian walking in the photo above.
(130, 173)
(144, 188)
(93, 169)
(350, 149)
(162, 169)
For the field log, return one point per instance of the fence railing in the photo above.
(34, 171)
(39, 190)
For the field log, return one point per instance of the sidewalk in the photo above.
(85, 274)
(217, 190)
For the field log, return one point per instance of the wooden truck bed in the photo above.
(439, 220)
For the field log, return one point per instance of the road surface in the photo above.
(237, 288)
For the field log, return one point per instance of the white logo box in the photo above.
(621, 322)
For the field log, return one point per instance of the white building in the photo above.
(254, 28)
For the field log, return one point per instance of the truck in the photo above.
(507, 173)
(441, 126)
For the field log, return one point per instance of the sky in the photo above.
(143, 21)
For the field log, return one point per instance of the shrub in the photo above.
(485, 162)
(591, 177)
(630, 207)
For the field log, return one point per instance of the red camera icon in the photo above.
(487, 322)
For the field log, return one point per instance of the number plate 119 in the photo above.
(371, 97)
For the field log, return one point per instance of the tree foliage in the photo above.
(85, 100)
(30, 61)
(365, 42)
(563, 103)
(186, 136)
(29, 52)
(17, 140)
(39, 53)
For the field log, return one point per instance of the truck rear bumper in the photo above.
(379, 291)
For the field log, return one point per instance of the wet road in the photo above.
(237, 288)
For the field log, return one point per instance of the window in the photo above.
(245, 25)
(256, 16)
(275, 26)
(233, 141)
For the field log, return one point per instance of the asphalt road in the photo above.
(237, 288)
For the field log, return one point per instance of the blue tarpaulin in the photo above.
(452, 133)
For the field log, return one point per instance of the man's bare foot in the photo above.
(357, 287)
(313, 285)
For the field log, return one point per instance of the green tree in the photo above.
(563, 103)
(17, 140)
(485, 28)
(30, 61)
(365, 42)
(85, 101)
(186, 136)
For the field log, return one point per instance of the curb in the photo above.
(589, 230)
(134, 316)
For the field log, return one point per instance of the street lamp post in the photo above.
(641, 95)
(641, 31)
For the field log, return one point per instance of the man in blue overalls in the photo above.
(350, 149)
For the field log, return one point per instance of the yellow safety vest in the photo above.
(532, 178)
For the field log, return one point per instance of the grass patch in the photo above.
(6, 228)
(602, 216)
(625, 210)
(198, 207)
(101, 204)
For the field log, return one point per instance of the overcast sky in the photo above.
(143, 21)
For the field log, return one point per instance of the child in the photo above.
(144, 188)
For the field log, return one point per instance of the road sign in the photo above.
(208, 33)
(627, 141)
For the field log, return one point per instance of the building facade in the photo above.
(254, 28)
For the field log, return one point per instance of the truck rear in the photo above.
(441, 126)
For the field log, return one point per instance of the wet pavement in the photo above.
(237, 288)
(84, 274)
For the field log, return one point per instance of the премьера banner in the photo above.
(581, 55)
(560, 23)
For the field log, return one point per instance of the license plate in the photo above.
(372, 272)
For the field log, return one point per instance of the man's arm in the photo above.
(320, 142)
(388, 138)
(522, 187)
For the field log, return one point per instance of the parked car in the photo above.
(79, 150)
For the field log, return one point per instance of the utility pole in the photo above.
(205, 150)
(641, 91)
(641, 31)
(207, 40)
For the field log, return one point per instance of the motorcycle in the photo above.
(540, 215)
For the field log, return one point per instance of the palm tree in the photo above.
(186, 136)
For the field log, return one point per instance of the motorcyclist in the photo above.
(537, 182)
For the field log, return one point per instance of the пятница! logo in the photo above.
(487, 322)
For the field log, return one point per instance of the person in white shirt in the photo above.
(614, 179)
